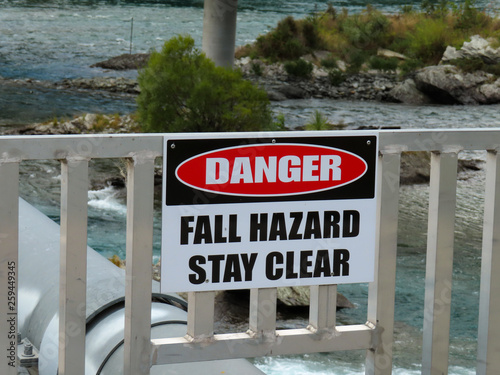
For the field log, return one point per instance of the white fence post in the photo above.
(440, 238)
(381, 292)
(201, 312)
(73, 267)
(488, 358)
(323, 309)
(139, 258)
(262, 318)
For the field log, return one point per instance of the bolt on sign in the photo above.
(250, 210)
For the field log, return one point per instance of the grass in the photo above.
(421, 34)
(383, 63)
(475, 64)
(103, 122)
(319, 121)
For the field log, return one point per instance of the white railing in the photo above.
(322, 334)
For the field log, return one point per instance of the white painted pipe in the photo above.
(39, 306)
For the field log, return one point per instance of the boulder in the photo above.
(407, 92)
(477, 48)
(341, 65)
(275, 96)
(292, 92)
(124, 62)
(390, 54)
(491, 92)
(300, 295)
(89, 120)
(317, 56)
(111, 84)
(415, 167)
(450, 54)
(243, 61)
(245, 64)
(274, 70)
(447, 84)
(319, 72)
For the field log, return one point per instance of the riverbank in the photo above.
(467, 76)
(415, 166)
(362, 86)
(370, 85)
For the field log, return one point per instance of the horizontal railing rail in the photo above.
(262, 338)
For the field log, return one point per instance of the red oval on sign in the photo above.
(271, 170)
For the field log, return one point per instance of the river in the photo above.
(52, 40)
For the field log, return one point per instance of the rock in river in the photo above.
(447, 84)
(124, 62)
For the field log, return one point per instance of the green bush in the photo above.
(290, 39)
(410, 65)
(279, 122)
(469, 17)
(474, 64)
(336, 77)
(276, 48)
(357, 58)
(282, 42)
(365, 30)
(256, 69)
(493, 69)
(292, 49)
(329, 63)
(429, 40)
(299, 68)
(383, 63)
(183, 90)
(420, 34)
(312, 39)
(435, 9)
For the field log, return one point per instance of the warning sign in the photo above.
(259, 212)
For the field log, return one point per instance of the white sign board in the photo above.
(254, 212)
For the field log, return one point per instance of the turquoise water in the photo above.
(61, 39)
(52, 40)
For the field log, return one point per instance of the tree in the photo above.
(183, 91)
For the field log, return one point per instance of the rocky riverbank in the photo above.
(89, 123)
(414, 165)
(445, 83)
(369, 85)
(469, 75)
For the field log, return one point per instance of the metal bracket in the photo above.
(27, 354)
(376, 336)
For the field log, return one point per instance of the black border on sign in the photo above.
(365, 146)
